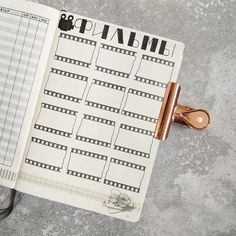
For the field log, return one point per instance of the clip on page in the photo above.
(170, 111)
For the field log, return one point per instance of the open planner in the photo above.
(79, 103)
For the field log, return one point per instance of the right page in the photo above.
(91, 143)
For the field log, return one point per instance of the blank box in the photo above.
(125, 175)
(96, 130)
(52, 119)
(79, 50)
(134, 141)
(66, 85)
(142, 105)
(45, 154)
(106, 96)
(115, 61)
(86, 164)
(154, 71)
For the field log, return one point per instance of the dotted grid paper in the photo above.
(21, 40)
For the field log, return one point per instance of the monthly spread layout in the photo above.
(79, 102)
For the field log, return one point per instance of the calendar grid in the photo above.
(18, 70)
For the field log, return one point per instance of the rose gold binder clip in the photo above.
(170, 111)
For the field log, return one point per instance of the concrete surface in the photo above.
(193, 187)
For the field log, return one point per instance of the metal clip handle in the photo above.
(194, 118)
(170, 111)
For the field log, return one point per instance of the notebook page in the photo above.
(92, 144)
(26, 34)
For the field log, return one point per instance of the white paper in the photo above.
(26, 34)
(91, 143)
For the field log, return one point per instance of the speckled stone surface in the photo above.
(193, 186)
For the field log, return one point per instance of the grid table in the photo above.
(21, 40)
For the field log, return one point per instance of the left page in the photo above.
(26, 35)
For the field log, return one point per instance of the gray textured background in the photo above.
(193, 186)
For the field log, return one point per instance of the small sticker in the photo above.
(118, 202)
(66, 24)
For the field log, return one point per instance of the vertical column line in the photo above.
(16, 109)
(3, 159)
